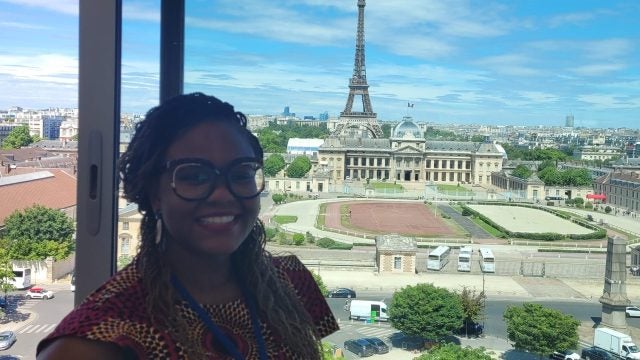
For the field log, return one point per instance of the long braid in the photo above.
(139, 169)
(278, 301)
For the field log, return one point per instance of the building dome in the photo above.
(407, 129)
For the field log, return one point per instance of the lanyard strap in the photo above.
(224, 340)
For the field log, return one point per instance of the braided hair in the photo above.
(139, 168)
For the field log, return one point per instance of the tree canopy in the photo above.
(540, 330)
(522, 172)
(321, 285)
(39, 232)
(472, 304)
(426, 311)
(17, 138)
(299, 167)
(569, 177)
(386, 130)
(274, 138)
(273, 165)
(455, 352)
(537, 154)
(6, 270)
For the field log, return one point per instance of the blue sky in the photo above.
(481, 62)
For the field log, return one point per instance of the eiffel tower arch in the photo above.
(363, 118)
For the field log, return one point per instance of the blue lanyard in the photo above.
(224, 340)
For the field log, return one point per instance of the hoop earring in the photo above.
(159, 227)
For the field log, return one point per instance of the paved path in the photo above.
(469, 226)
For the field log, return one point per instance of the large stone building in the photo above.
(622, 191)
(408, 158)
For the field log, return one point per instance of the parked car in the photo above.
(7, 338)
(410, 343)
(564, 355)
(379, 346)
(594, 353)
(633, 311)
(470, 329)
(39, 293)
(342, 293)
(360, 347)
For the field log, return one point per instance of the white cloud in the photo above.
(598, 69)
(570, 18)
(24, 26)
(48, 68)
(611, 101)
(69, 7)
(509, 64)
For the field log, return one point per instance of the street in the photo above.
(46, 315)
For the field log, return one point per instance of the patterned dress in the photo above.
(113, 313)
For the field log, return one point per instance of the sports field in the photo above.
(406, 218)
(522, 219)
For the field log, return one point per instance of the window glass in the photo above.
(139, 92)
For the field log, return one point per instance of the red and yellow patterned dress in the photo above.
(114, 313)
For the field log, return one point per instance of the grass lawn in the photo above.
(488, 228)
(285, 219)
(454, 188)
(386, 186)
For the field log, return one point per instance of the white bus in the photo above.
(22, 278)
(464, 258)
(488, 261)
(438, 258)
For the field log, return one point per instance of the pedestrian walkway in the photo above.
(36, 328)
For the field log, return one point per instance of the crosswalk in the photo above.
(37, 328)
(369, 330)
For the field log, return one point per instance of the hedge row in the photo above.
(329, 243)
(599, 233)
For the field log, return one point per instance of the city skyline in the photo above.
(500, 63)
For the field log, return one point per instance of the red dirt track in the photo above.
(413, 219)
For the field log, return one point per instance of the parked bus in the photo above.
(438, 258)
(22, 278)
(464, 258)
(488, 261)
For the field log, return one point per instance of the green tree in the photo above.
(298, 239)
(426, 311)
(579, 202)
(608, 209)
(473, 304)
(39, 232)
(546, 164)
(6, 271)
(522, 172)
(299, 167)
(74, 137)
(35, 138)
(17, 138)
(320, 282)
(455, 352)
(386, 130)
(273, 164)
(540, 330)
(278, 198)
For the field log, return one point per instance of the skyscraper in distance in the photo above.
(568, 122)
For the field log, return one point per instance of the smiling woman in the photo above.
(203, 284)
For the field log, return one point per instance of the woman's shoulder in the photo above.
(107, 313)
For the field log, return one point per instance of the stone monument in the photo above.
(614, 295)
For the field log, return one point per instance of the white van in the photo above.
(362, 309)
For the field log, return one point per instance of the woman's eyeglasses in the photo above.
(195, 179)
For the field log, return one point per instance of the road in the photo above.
(47, 314)
(50, 312)
(494, 325)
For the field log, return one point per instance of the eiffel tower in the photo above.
(365, 119)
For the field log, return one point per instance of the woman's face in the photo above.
(218, 224)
